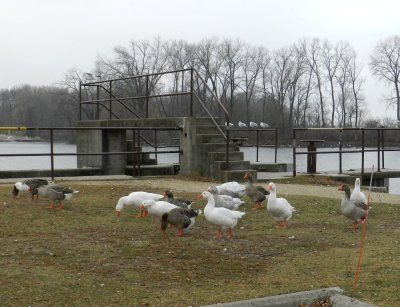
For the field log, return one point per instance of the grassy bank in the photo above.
(85, 256)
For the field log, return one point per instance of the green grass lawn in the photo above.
(85, 256)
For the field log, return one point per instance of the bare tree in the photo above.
(252, 65)
(385, 64)
(231, 52)
(331, 57)
(356, 82)
(312, 54)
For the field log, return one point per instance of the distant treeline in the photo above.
(313, 83)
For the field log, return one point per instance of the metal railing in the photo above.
(257, 144)
(136, 152)
(146, 87)
(380, 145)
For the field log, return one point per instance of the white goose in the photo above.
(354, 211)
(224, 218)
(231, 188)
(264, 125)
(357, 196)
(279, 208)
(242, 125)
(253, 125)
(157, 208)
(135, 199)
(226, 201)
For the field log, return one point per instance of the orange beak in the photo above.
(118, 213)
(141, 207)
(200, 196)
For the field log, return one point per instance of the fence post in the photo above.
(294, 152)
(155, 144)
(147, 96)
(191, 91)
(80, 100)
(52, 153)
(110, 100)
(276, 145)
(227, 144)
(379, 150)
(257, 139)
(98, 103)
(362, 152)
(383, 148)
(340, 150)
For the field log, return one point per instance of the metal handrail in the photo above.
(52, 154)
(380, 150)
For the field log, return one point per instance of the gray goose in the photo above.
(256, 193)
(226, 201)
(181, 218)
(354, 211)
(55, 192)
(26, 185)
(182, 203)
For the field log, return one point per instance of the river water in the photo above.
(325, 162)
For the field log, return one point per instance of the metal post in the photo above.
(362, 152)
(383, 148)
(134, 153)
(98, 103)
(227, 145)
(80, 100)
(340, 150)
(379, 150)
(294, 152)
(52, 154)
(147, 96)
(191, 92)
(110, 100)
(140, 152)
(276, 145)
(257, 138)
(155, 143)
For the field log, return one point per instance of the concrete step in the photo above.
(235, 175)
(272, 167)
(233, 165)
(221, 156)
(219, 147)
(210, 138)
(217, 167)
(154, 170)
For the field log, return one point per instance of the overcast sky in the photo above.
(42, 39)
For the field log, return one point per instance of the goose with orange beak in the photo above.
(279, 208)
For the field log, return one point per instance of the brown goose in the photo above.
(182, 203)
(354, 211)
(181, 218)
(256, 193)
(26, 185)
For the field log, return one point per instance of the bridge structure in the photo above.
(180, 100)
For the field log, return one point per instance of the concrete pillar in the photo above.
(114, 141)
(89, 141)
(191, 161)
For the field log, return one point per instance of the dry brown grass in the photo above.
(85, 256)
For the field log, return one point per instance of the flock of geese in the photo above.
(221, 210)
